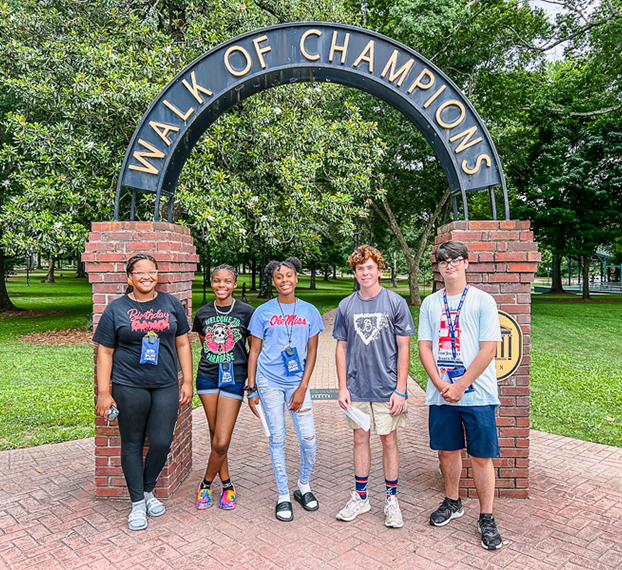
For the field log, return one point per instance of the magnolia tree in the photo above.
(76, 77)
(273, 174)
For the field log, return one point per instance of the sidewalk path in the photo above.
(573, 520)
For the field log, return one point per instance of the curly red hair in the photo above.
(364, 252)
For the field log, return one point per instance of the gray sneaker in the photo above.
(392, 513)
(354, 507)
(448, 510)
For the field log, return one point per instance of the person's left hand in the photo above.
(185, 393)
(298, 397)
(453, 393)
(397, 404)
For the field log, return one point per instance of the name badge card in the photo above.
(456, 374)
(151, 347)
(225, 374)
(291, 361)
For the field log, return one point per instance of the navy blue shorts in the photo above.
(449, 425)
(210, 386)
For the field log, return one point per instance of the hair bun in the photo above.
(271, 267)
(295, 262)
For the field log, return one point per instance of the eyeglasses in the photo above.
(140, 273)
(452, 262)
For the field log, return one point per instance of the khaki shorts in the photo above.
(381, 419)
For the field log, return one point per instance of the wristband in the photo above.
(400, 394)
(253, 395)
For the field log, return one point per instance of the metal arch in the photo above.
(283, 64)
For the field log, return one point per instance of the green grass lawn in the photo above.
(46, 392)
(576, 358)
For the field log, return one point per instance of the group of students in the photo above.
(269, 354)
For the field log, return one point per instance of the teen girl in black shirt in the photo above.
(141, 335)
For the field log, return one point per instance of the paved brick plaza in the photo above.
(49, 518)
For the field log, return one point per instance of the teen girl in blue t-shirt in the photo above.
(279, 374)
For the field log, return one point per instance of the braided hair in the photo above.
(291, 262)
(225, 267)
(132, 261)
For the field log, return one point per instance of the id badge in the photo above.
(225, 374)
(291, 361)
(151, 347)
(455, 375)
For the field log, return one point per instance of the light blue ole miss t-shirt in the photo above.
(479, 321)
(274, 324)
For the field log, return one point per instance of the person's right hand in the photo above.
(103, 405)
(344, 399)
(252, 404)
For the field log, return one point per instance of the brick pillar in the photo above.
(110, 245)
(502, 261)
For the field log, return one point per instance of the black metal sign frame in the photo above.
(309, 52)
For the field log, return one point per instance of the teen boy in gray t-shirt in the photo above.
(372, 329)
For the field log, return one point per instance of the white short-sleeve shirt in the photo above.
(479, 321)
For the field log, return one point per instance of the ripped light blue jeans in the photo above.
(274, 400)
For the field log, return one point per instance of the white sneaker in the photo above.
(354, 507)
(392, 513)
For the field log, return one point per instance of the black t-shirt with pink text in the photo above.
(123, 325)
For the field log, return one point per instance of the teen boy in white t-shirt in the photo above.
(458, 334)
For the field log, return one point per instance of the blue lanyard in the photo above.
(453, 325)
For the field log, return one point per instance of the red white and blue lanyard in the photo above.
(453, 325)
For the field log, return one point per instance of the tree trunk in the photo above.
(326, 273)
(254, 274)
(39, 266)
(5, 301)
(412, 260)
(394, 271)
(355, 239)
(335, 272)
(586, 277)
(313, 286)
(556, 276)
(50, 278)
(80, 272)
(265, 284)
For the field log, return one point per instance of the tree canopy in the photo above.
(299, 168)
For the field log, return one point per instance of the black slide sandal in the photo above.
(305, 499)
(284, 506)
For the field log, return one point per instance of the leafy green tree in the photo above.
(75, 78)
(569, 179)
(480, 46)
(281, 169)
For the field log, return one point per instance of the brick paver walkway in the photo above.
(573, 520)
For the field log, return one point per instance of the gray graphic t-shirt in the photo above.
(369, 326)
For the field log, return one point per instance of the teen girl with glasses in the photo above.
(141, 336)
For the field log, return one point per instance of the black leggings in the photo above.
(145, 411)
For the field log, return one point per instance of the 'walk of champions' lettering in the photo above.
(288, 320)
(437, 101)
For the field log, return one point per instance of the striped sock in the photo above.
(361, 486)
(391, 487)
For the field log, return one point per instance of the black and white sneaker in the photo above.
(449, 509)
(487, 527)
